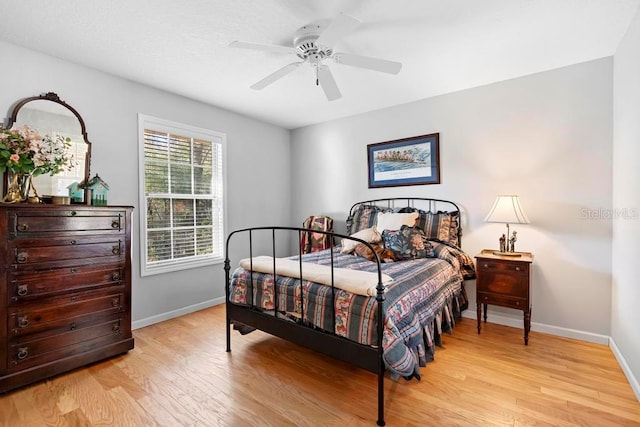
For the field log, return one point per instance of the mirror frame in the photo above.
(53, 97)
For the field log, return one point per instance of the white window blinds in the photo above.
(182, 194)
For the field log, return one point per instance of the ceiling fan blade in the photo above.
(328, 83)
(338, 28)
(273, 48)
(276, 75)
(368, 62)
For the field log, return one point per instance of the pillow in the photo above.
(394, 221)
(385, 255)
(407, 243)
(364, 216)
(442, 226)
(369, 235)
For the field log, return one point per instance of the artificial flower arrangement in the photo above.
(24, 150)
(26, 153)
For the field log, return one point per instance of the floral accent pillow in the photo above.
(408, 243)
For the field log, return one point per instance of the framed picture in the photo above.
(408, 161)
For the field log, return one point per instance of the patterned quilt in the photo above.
(422, 302)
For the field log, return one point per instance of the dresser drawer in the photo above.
(40, 254)
(29, 223)
(33, 349)
(39, 283)
(55, 312)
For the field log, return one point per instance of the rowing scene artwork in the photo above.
(404, 162)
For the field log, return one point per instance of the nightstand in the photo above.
(504, 281)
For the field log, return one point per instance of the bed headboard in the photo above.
(440, 219)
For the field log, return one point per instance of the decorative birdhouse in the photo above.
(98, 190)
(76, 192)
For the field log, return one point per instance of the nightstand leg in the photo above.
(527, 325)
(479, 312)
(485, 313)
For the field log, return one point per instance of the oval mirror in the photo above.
(50, 115)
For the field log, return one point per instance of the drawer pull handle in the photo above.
(23, 290)
(73, 242)
(72, 326)
(115, 302)
(74, 213)
(22, 227)
(116, 250)
(23, 353)
(486, 298)
(74, 270)
(115, 224)
(517, 268)
(23, 322)
(74, 298)
(115, 327)
(517, 302)
(115, 276)
(486, 266)
(22, 257)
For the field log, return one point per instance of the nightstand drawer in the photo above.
(505, 283)
(503, 267)
(502, 300)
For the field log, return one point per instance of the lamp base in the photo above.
(511, 254)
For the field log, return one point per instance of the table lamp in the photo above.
(507, 210)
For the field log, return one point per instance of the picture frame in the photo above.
(407, 161)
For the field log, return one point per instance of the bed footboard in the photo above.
(300, 332)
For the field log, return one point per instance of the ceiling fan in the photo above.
(313, 44)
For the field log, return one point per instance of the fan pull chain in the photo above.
(317, 71)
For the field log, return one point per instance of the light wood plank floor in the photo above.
(180, 375)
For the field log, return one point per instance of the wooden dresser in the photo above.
(65, 288)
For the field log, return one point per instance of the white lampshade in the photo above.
(507, 209)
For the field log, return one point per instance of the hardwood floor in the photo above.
(180, 375)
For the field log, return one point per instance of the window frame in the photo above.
(163, 125)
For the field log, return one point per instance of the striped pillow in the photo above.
(364, 216)
(442, 226)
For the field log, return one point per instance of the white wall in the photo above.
(109, 106)
(625, 316)
(546, 137)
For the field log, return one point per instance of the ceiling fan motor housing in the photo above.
(304, 40)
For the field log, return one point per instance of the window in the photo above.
(181, 195)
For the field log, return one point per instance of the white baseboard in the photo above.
(176, 313)
(635, 385)
(541, 327)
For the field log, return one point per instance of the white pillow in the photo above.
(369, 235)
(395, 221)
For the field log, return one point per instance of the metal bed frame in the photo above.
(326, 342)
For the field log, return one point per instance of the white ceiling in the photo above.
(444, 45)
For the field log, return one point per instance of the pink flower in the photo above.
(15, 158)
